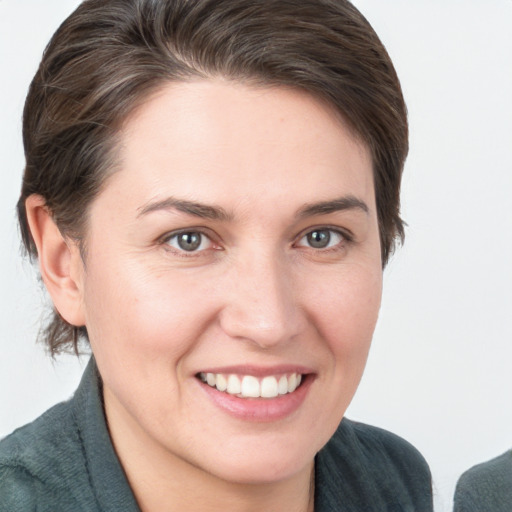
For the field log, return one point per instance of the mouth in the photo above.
(249, 386)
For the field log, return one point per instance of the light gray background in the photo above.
(440, 370)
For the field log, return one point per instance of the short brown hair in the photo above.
(110, 55)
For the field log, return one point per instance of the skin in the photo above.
(255, 293)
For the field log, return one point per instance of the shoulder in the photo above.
(38, 459)
(375, 448)
(38, 445)
(17, 489)
(380, 470)
(486, 486)
(386, 448)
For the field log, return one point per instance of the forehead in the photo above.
(222, 140)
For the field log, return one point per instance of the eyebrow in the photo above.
(335, 205)
(218, 213)
(189, 207)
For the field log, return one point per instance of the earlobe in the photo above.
(60, 262)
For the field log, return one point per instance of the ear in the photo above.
(60, 262)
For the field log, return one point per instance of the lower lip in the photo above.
(260, 409)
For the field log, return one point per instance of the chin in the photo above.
(263, 466)
(262, 474)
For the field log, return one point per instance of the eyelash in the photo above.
(344, 238)
(166, 239)
(343, 235)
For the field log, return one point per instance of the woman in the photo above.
(212, 191)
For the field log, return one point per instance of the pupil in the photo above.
(189, 241)
(319, 239)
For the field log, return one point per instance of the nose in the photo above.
(262, 303)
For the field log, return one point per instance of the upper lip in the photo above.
(258, 371)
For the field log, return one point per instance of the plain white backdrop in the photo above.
(440, 370)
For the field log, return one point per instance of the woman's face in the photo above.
(236, 246)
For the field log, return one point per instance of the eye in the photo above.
(189, 241)
(322, 238)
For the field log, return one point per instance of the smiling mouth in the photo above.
(248, 386)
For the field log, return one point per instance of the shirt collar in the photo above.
(105, 472)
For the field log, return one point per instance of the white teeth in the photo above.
(221, 382)
(282, 387)
(292, 383)
(234, 385)
(269, 387)
(249, 386)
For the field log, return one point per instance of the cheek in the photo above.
(347, 311)
(344, 311)
(141, 327)
(140, 313)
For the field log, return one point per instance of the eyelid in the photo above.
(203, 231)
(346, 234)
